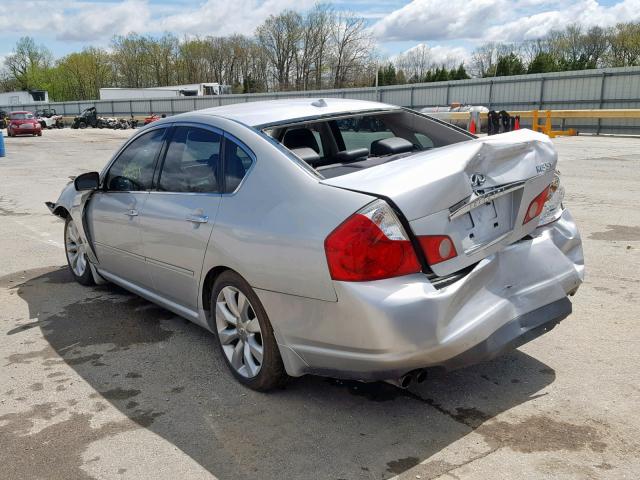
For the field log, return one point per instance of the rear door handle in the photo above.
(131, 213)
(197, 218)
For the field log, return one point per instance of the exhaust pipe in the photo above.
(408, 379)
(421, 376)
(405, 381)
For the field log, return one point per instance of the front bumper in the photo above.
(381, 330)
(25, 130)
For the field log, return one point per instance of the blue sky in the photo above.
(451, 29)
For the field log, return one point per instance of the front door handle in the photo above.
(131, 213)
(197, 218)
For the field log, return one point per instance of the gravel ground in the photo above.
(98, 383)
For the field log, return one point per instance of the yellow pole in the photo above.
(548, 126)
(534, 124)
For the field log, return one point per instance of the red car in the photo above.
(23, 123)
(152, 118)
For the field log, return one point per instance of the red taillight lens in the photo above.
(370, 245)
(437, 248)
(536, 206)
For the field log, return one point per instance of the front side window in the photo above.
(237, 164)
(133, 169)
(192, 163)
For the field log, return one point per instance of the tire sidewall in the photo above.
(272, 372)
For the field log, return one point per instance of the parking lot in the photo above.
(98, 383)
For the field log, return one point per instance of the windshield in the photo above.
(21, 116)
(340, 145)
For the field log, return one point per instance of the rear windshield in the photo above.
(21, 116)
(341, 145)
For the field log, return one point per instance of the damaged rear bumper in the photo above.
(381, 330)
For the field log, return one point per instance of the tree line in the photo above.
(319, 49)
(574, 48)
(289, 51)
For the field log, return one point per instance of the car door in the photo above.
(113, 212)
(180, 212)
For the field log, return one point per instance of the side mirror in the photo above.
(87, 181)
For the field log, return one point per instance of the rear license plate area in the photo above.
(488, 223)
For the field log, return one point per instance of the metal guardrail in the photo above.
(591, 113)
(531, 117)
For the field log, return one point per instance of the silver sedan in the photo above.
(333, 237)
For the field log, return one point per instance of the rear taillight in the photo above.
(437, 248)
(553, 206)
(370, 245)
(536, 206)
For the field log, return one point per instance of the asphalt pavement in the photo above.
(98, 383)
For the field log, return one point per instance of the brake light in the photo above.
(370, 245)
(437, 248)
(536, 206)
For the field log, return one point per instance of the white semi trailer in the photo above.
(9, 99)
(188, 90)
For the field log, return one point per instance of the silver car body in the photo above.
(509, 284)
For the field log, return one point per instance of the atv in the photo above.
(48, 118)
(88, 118)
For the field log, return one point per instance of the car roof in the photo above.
(273, 112)
(20, 111)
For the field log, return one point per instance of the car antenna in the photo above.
(319, 103)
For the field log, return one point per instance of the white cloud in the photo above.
(437, 55)
(423, 20)
(222, 18)
(585, 12)
(98, 22)
(443, 54)
(77, 20)
(431, 19)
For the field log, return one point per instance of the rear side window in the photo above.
(237, 162)
(133, 169)
(361, 132)
(192, 162)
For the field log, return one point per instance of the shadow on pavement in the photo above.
(165, 374)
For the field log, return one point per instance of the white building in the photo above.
(8, 99)
(189, 90)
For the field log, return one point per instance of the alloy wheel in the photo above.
(75, 250)
(239, 331)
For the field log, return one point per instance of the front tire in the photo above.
(74, 249)
(244, 333)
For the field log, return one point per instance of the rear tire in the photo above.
(82, 125)
(244, 334)
(74, 249)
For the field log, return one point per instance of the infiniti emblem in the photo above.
(477, 180)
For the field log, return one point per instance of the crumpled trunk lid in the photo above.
(477, 192)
